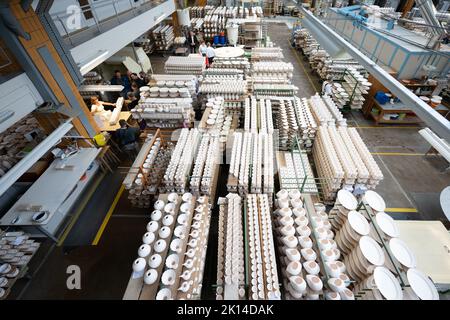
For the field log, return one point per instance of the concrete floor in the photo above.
(411, 179)
(411, 182)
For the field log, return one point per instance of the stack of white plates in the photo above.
(381, 285)
(421, 286)
(345, 202)
(356, 226)
(364, 258)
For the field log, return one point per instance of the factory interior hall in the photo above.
(225, 150)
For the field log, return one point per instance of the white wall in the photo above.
(120, 36)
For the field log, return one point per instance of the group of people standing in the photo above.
(127, 135)
(131, 82)
(205, 49)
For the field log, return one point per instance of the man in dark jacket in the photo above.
(118, 79)
(192, 41)
(127, 137)
(135, 78)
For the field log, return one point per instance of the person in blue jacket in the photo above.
(118, 79)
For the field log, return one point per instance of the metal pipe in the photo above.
(430, 116)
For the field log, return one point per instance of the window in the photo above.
(86, 9)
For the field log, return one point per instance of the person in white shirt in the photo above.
(326, 88)
(210, 53)
(202, 48)
(98, 109)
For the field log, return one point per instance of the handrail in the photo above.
(430, 116)
(133, 9)
(108, 3)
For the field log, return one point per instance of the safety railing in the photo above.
(99, 17)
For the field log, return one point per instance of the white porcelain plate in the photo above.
(387, 224)
(402, 253)
(422, 285)
(371, 250)
(375, 201)
(347, 199)
(387, 284)
(358, 223)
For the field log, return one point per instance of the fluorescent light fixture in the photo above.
(88, 66)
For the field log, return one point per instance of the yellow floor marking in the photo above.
(405, 210)
(108, 216)
(79, 210)
(396, 154)
(304, 70)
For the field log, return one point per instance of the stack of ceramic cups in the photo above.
(374, 170)
(226, 128)
(363, 173)
(156, 240)
(335, 270)
(321, 114)
(307, 124)
(194, 258)
(345, 158)
(229, 89)
(296, 246)
(244, 164)
(295, 172)
(189, 254)
(216, 113)
(177, 173)
(171, 259)
(286, 124)
(263, 266)
(199, 164)
(251, 152)
(209, 171)
(235, 155)
(146, 183)
(280, 69)
(302, 269)
(230, 265)
(267, 54)
(193, 64)
(220, 276)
